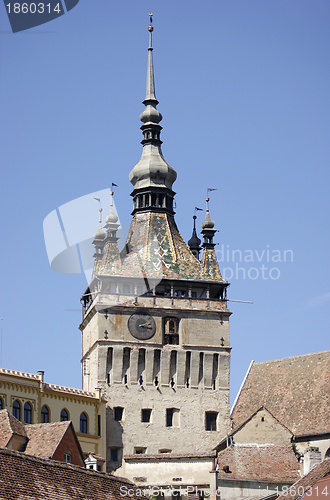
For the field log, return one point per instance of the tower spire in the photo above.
(152, 177)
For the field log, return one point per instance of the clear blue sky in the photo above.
(243, 87)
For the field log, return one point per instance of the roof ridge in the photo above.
(291, 357)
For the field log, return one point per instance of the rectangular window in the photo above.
(67, 458)
(211, 420)
(172, 417)
(114, 455)
(145, 415)
(118, 413)
(140, 451)
(99, 425)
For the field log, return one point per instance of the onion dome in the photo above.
(208, 223)
(100, 234)
(152, 171)
(194, 242)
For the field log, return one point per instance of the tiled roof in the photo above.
(44, 438)
(156, 249)
(303, 484)
(9, 425)
(259, 463)
(295, 390)
(25, 477)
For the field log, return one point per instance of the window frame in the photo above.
(83, 423)
(210, 423)
(27, 413)
(146, 415)
(43, 420)
(64, 418)
(117, 409)
(17, 409)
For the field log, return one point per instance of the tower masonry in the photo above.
(155, 329)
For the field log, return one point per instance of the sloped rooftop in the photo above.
(295, 390)
(259, 462)
(303, 484)
(26, 477)
(44, 438)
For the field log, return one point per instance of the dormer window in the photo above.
(171, 331)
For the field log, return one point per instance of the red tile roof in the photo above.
(44, 438)
(9, 425)
(300, 487)
(25, 477)
(259, 463)
(295, 390)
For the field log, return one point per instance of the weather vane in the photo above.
(150, 14)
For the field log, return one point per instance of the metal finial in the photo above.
(150, 14)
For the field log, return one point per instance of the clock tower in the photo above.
(155, 329)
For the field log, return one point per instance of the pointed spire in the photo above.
(112, 217)
(194, 242)
(208, 223)
(152, 172)
(100, 234)
(150, 91)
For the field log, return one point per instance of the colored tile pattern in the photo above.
(156, 249)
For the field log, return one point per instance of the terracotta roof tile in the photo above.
(26, 477)
(259, 462)
(44, 438)
(295, 390)
(9, 425)
(302, 485)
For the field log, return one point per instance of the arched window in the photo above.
(83, 423)
(171, 331)
(44, 415)
(17, 409)
(1, 404)
(64, 416)
(327, 453)
(27, 413)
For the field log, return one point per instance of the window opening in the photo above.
(17, 410)
(171, 331)
(145, 415)
(64, 416)
(27, 413)
(211, 421)
(44, 415)
(83, 423)
(118, 413)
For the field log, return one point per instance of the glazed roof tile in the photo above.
(295, 390)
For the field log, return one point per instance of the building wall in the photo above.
(241, 488)
(146, 382)
(263, 428)
(30, 388)
(172, 472)
(68, 445)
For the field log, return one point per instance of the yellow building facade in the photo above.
(31, 400)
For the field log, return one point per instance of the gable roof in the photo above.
(295, 390)
(303, 484)
(259, 463)
(9, 425)
(23, 476)
(45, 438)
(242, 424)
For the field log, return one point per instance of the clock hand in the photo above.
(146, 325)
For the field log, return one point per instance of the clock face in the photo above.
(142, 326)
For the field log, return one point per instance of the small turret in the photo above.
(99, 238)
(111, 225)
(210, 266)
(194, 242)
